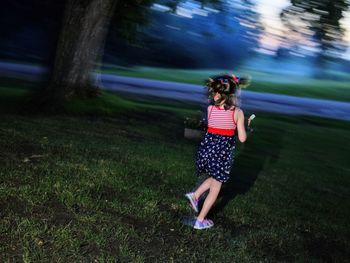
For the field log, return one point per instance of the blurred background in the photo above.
(297, 37)
(103, 177)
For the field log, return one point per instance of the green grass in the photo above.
(108, 103)
(261, 82)
(107, 186)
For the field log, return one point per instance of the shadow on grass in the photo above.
(262, 149)
(15, 95)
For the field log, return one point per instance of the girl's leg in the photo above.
(215, 187)
(202, 188)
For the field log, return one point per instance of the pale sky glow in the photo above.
(346, 24)
(269, 12)
(274, 28)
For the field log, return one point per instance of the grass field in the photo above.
(261, 82)
(105, 183)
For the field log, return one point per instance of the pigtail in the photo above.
(244, 81)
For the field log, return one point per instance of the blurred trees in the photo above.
(81, 43)
(29, 30)
(320, 22)
(194, 37)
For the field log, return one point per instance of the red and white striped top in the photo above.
(221, 121)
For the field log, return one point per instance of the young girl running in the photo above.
(216, 150)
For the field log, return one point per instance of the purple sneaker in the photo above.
(206, 223)
(193, 201)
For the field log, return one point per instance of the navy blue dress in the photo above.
(215, 156)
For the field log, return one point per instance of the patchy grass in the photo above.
(108, 186)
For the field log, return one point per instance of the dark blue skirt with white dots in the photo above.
(215, 156)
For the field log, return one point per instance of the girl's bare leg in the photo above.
(202, 188)
(215, 187)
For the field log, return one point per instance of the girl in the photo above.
(216, 150)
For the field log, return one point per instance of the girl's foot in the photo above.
(206, 223)
(193, 201)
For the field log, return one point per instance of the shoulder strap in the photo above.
(210, 110)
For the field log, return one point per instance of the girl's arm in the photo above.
(242, 134)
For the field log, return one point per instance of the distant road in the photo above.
(251, 101)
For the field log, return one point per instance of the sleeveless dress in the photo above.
(215, 154)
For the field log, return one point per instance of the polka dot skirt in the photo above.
(215, 156)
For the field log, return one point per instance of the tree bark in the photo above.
(79, 50)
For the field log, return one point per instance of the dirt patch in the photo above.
(107, 193)
(13, 181)
(54, 211)
(169, 125)
(10, 249)
(150, 240)
(13, 205)
(89, 248)
(152, 179)
(236, 229)
(172, 209)
(21, 150)
(10, 246)
(278, 250)
(325, 248)
(112, 247)
(136, 223)
(154, 243)
(315, 247)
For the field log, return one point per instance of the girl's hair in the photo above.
(228, 87)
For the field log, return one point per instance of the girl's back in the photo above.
(221, 118)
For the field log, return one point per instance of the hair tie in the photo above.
(235, 78)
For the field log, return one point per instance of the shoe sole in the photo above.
(200, 228)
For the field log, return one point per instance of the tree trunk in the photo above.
(79, 50)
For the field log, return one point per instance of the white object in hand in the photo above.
(251, 117)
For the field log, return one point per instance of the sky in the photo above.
(269, 14)
(275, 32)
(346, 23)
(274, 29)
